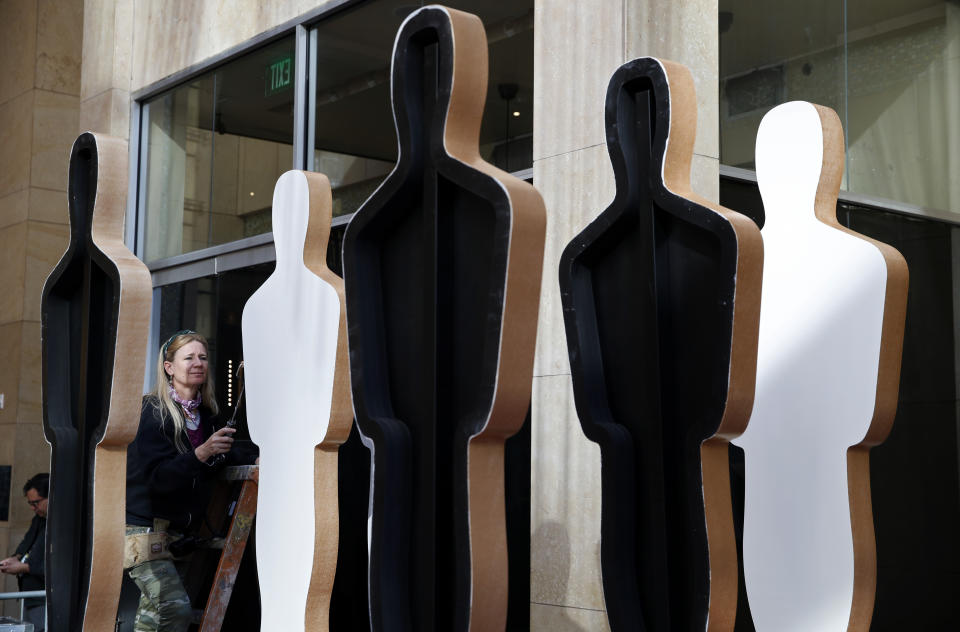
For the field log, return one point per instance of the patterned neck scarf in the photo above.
(189, 407)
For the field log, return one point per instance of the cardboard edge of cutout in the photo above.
(674, 178)
(518, 333)
(749, 270)
(129, 366)
(132, 303)
(326, 453)
(718, 505)
(888, 375)
(313, 190)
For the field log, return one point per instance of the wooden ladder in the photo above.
(234, 545)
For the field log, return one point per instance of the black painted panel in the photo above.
(647, 292)
(425, 262)
(79, 313)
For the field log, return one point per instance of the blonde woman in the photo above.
(175, 451)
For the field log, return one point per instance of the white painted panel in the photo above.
(819, 346)
(290, 329)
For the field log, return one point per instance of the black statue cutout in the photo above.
(442, 269)
(661, 299)
(95, 317)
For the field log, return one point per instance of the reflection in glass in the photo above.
(771, 53)
(903, 129)
(891, 70)
(214, 149)
(352, 178)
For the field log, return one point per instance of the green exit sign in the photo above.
(278, 76)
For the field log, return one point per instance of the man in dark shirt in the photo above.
(27, 562)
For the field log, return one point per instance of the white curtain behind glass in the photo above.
(904, 113)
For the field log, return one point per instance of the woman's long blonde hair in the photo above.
(166, 407)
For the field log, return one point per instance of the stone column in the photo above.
(578, 45)
(108, 30)
(39, 107)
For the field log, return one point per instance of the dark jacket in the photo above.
(165, 483)
(33, 547)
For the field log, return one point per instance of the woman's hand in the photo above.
(13, 566)
(218, 443)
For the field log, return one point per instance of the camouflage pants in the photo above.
(164, 604)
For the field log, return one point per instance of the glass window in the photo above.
(213, 305)
(354, 140)
(891, 70)
(903, 119)
(787, 52)
(214, 147)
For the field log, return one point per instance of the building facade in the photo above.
(217, 99)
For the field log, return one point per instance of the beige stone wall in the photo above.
(39, 110)
(578, 46)
(108, 36)
(172, 35)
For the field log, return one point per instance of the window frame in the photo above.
(859, 199)
(250, 250)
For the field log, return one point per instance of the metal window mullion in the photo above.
(153, 342)
(311, 101)
(300, 90)
(131, 223)
(141, 133)
(861, 199)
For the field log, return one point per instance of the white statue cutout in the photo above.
(828, 371)
(298, 408)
